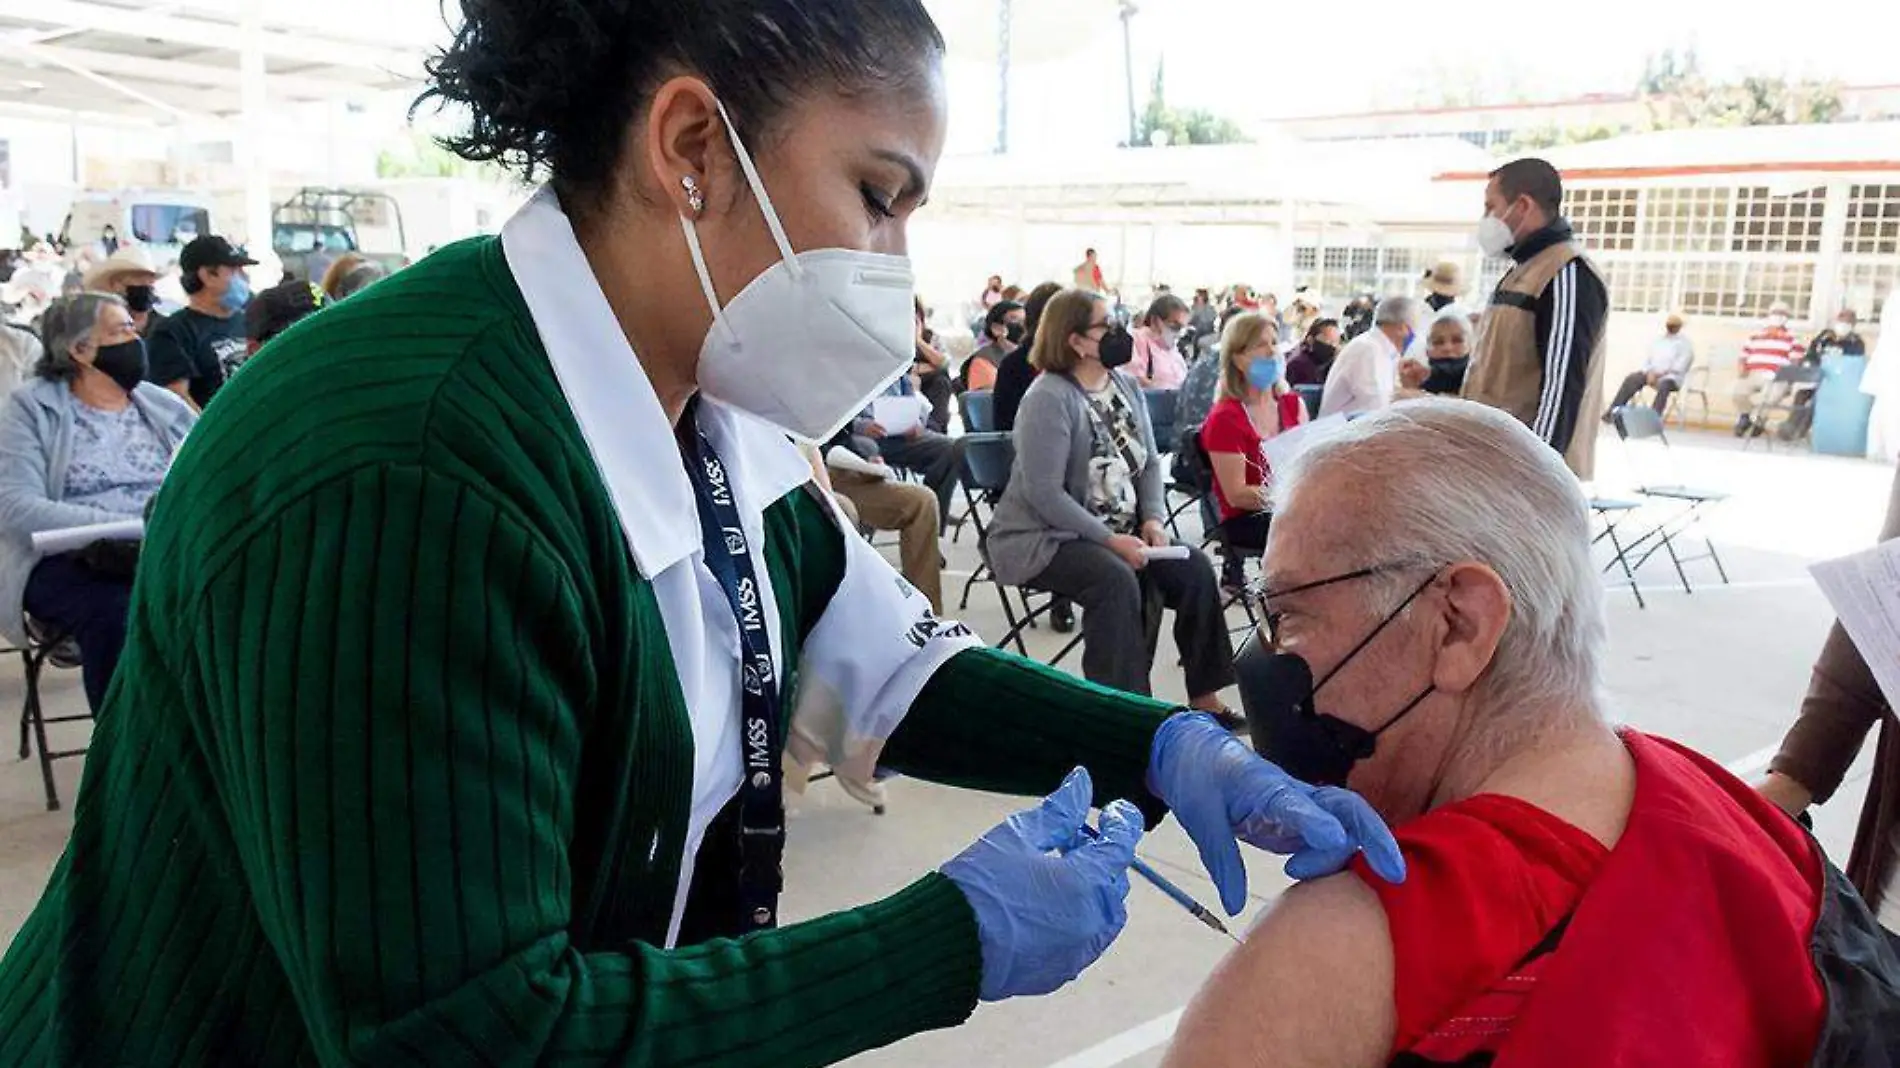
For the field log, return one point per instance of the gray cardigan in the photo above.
(1043, 506)
(36, 448)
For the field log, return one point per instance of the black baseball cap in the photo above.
(276, 309)
(212, 251)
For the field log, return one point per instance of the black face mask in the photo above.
(1013, 333)
(1322, 352)
(1276, 690)
(124, 363)
(1117, 347)
(139, 298)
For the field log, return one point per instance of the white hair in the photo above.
(1459, 481)
(1395, 310)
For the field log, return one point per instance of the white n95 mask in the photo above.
(811, 340)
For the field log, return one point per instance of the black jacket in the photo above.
(1013, 377)
(1571, 313)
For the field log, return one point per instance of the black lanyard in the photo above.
(761, 801)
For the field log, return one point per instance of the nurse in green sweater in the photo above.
(476, 614)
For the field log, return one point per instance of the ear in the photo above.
(1477, 608)
(685, 137)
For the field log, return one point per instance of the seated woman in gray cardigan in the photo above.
(84, 441)
(1085, 501)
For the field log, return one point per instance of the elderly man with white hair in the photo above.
(1578, 893)
(1365, 374)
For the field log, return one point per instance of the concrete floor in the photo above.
(1722, 670)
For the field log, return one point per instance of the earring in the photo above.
(694, 198)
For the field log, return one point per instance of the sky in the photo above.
(1253, 60)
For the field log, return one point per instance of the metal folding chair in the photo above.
(1694, 384)
(1779, 397)
(1686, 502)
(1162, 405)
(978, 409)
(1613, 512)
(987, 459)
(45, 647)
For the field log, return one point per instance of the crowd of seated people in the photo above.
(1084, 510)
(86, 441)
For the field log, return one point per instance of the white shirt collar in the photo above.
(619, 414)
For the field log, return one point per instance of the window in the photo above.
(1639, 285)
(1402, 261)
(1768, 223)
(1765, 283)
(1709, 287)
(1603, 218)
(1866, 288)
(1873, 220)
(1306, 258)
(1490, 273)
(1334, 276)
(1685, 220)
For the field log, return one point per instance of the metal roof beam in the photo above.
(201, 33)
(180, 72)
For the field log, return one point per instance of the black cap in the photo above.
(212, 251)
(274, 310)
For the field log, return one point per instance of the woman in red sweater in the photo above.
(1255, 405)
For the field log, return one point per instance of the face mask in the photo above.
(124, 363)
(1263, 374)
(1495, 236)
(139, 298)
(1276, 690)
(1013, 333)
(1322, 352)
(811, 340)
(1171, 336)
(1117, 347)
(1843, 328)
(237, 294)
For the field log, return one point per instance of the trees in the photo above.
(1161, 125)
(1676, 94)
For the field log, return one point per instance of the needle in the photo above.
(1179, 896)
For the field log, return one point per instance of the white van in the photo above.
(163, 221)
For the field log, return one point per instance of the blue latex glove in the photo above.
(1221, 790)
(1048, 901)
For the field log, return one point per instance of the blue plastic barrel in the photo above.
(1841, 410)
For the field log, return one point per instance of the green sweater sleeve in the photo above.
(989, 720)
(396, 690)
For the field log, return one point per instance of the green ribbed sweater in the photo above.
(396, 770)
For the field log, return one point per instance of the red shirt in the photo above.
(1229, 429)
(1690, 943)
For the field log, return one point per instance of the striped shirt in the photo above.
(1770, 350)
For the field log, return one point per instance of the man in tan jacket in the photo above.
(1540, 346)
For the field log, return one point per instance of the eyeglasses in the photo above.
(1093, 327)
(1264, 597)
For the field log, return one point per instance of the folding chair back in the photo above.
(1162, 405)
(1312, 395)
(1639, 423)
(987, 458)
(979, 411)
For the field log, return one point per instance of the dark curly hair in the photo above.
(552, 85)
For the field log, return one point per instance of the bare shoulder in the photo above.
(1311, 988)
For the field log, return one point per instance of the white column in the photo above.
(252, 126)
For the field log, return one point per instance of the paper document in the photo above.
(1865, 591)
(899, 415)
(843, 459)
(1280, 449)
(1165, 552)
(66, 540)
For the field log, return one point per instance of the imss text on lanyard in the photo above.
(761, 800)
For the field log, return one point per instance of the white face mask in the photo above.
(1495, 236)
(1842, 328)
(811, 340)
(1777, 320)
